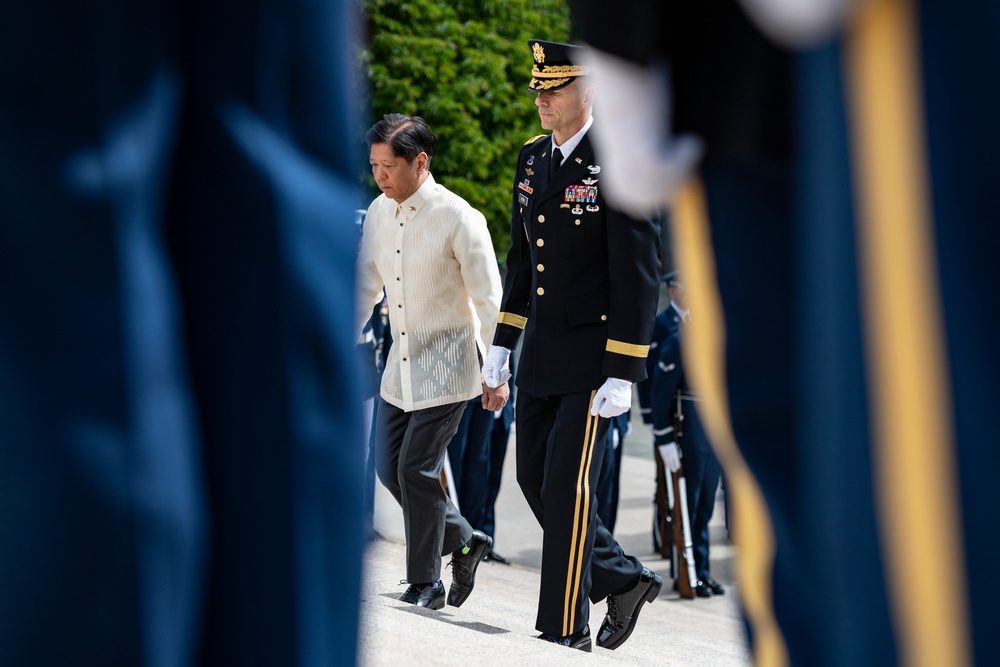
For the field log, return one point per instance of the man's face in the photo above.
(396, 177)
(563, 111)
(676, 292)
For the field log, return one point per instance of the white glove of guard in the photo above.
(613, 398)
(495, 368)
(645, 165)
(671, 455)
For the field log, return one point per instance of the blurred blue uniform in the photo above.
(874, 543)
(180, 441)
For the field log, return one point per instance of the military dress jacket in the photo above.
(669, 383)
(582, 278)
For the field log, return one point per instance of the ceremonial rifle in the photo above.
(683, 547)
(662, 519)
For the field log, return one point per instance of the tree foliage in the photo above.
(464, 67)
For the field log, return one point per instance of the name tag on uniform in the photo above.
(581, 193)
(523, 199)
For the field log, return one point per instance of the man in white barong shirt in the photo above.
(432, 253)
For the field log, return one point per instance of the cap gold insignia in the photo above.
(538, 51)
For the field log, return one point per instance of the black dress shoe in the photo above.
(579, 640)
(623, 610)
(702, 590)
(494, 557)
(463, 567)
(714, 586)
(425, 595)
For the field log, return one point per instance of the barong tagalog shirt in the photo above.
(434, 256)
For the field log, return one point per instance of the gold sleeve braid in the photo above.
(513, 320)
(628, 349)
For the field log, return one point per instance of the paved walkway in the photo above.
(495, 627)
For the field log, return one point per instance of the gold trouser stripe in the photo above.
(628, 349)
(580, 522)
(704, 359)
(913, 445)
(512, 319)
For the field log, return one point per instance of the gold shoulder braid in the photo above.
(534, 139)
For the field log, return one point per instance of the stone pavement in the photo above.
(496, 625)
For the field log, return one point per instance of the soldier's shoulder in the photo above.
(534, 139)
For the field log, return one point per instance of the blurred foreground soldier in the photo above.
(862, 397)
(180, 433)
(674, 405)
(433, 255)
(581, 284)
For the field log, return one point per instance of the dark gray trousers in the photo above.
(409, 453)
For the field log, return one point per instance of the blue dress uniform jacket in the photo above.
(576, 271)
(666, 319)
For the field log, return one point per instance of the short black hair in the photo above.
(407, 136)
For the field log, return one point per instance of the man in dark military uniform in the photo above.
(582, 285)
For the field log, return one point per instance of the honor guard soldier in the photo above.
(581, 286)
(673, 405)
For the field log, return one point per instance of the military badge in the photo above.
(524, 186)
(589, 181)
(593, 208)
(531, 160)
(538, 51)
(529, 172)
(523, 199)
(594, 169)
(576, 210)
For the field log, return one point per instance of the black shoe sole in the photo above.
(654, 590)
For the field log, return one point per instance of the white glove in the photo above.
(645, 165)
(495, 369)
(800, 23)
(671, 455)
(613, 398)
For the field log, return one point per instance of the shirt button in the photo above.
(540, 242)
(541, 218)
(540, 267)
(604, 318)
(540, 291)
(576, 222)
